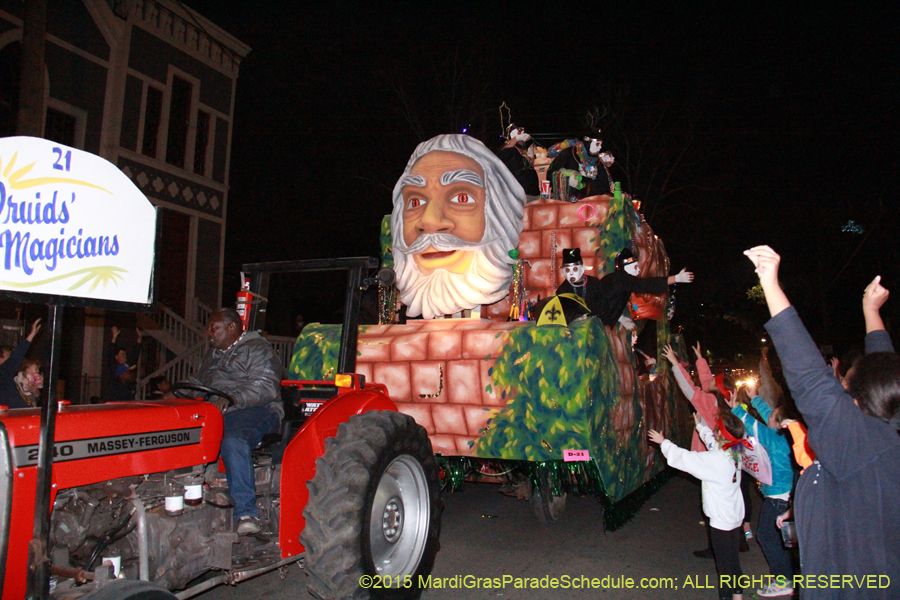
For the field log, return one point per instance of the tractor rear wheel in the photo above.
(373, 518)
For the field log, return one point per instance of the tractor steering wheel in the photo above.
(207, 391)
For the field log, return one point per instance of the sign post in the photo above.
(38, 558)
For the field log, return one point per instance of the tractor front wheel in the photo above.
(373, 517)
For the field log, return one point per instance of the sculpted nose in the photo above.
(435, 219)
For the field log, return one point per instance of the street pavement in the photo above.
(488, 535)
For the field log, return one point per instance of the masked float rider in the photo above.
(585, 167)
(518, 156)
(607, 298)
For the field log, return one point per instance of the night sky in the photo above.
(769, 123)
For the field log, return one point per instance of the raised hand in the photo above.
(766, 262)
(835, 364)
(731, 400)
(35, 327)
(669, 353)
(875, 295)
(752, 388)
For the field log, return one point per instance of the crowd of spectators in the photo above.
(831, 447)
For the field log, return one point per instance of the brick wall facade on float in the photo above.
(436, 372)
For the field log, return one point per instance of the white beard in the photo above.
(442, 292)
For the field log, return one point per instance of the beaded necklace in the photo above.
(587, 164)
(580, 287)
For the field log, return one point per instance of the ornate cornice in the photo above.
(187, 30)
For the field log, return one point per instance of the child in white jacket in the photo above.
(719, 471)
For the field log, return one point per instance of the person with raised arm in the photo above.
(705, 399)
(719, 468)
(846, 504)
(10, 360)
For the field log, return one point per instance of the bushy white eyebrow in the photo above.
(463, 175)
(415, 180)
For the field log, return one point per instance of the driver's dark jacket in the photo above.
(249, 370)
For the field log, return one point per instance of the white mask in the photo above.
(574, 272)
(633, 269)
(595, 146)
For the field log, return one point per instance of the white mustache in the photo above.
(442, 242)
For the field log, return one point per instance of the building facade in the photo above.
(148, 85)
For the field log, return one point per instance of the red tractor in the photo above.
(350, 485)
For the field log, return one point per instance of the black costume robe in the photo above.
(616, 289)
(568, 159)
(521, 167)
(590, 292)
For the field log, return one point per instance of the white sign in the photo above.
(72, 224)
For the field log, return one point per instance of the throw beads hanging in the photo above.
(387, 302)
(517, 299)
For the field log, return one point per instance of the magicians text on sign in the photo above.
(72, 224)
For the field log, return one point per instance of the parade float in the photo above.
(544, 406)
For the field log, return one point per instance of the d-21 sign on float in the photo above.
(72, 224)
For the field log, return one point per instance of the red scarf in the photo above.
(720, 383)
(732, 441)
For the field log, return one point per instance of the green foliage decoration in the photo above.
(615, 233)
(563, 390)
(316, 353)
(385, 241)
(553, 377)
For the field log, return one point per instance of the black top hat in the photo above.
(591, 134)
(572, 255)
(625, 257)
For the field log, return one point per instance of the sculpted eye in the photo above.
(463, 199)
(415, 203)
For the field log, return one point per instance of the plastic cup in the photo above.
(789, 534)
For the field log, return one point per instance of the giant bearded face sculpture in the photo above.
(450, 201)
(457, 213)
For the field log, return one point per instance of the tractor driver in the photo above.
(244, 365)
